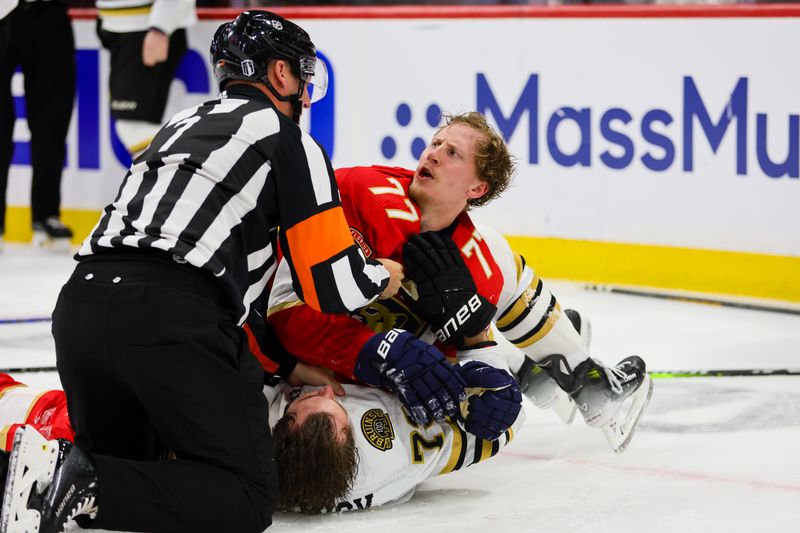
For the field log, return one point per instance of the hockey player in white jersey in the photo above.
(363, 449)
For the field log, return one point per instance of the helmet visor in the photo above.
(314, 72)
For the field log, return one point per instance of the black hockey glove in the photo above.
(446, 294)
(494, 400)
(417, 372)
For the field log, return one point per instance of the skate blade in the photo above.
(33, 460)
(42, 241)
(618, 432)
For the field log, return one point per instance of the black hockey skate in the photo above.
(581, 324)
(540, 387)
(51, 486)
(544, 392)
(612, 398)
(51, 233)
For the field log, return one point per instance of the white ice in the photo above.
(716, 454)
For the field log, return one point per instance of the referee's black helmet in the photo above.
(242, 49)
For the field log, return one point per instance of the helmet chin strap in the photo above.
(295, 99)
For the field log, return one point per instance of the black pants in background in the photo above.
(40, 41)
(139, 92)
(148, 347)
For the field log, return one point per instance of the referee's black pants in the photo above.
(41, 42)
(148, 347)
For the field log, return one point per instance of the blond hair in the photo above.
(496, 166)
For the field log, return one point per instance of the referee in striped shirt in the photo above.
(149, 343)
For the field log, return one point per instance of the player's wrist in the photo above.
(477, 341)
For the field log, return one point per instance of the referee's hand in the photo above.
(155, 47)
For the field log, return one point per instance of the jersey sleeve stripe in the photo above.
(521, 306)
(256, 289)
(349, 292)
(321, 237)
(268, 364)
(487, 449)
(4, 437)
(542, 328)
(495, 447)
(33, 405)
(258, 258)
(283, 305)
(477, 452)
(457, 450)
(519, 263)
(320, 178)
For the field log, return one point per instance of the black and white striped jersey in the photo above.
(215, 186)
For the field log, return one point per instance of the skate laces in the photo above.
(85, 506)
(614, 376)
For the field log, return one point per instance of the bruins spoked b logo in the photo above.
(377, 428)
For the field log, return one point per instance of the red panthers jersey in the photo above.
(44, 410)
(381, 217)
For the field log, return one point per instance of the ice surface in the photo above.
(710, 455)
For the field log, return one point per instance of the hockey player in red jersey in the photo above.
(44, 410)
(466, 165)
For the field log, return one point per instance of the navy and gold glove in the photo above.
(447, 297)
(426, 384)
(494, 400)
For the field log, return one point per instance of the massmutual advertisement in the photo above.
(644, 136)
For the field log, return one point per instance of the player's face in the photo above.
(322, 400)
(447, 175)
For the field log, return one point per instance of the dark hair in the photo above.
(496, 166)
(315, 468)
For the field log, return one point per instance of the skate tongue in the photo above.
(476, 391)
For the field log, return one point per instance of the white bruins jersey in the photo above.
(528, 315)
(396, 454)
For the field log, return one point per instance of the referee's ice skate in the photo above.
(51, 485)
(51, 234)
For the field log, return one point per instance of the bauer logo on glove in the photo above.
(447, 297)
(451, 327)
(418, 373)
